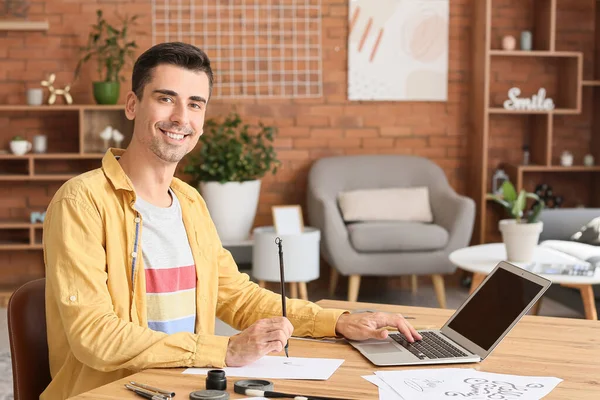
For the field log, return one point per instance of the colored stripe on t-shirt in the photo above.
(169, 268)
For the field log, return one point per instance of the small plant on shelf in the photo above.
(112, 49)
(515, 204)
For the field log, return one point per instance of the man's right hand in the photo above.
(263, 337)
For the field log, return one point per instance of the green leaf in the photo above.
(509, 192)
(519, 206)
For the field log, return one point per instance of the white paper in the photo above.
(449, 383)
(281, 368)
(385, 391)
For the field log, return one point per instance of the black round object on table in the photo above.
(259, 384)
(209, 395)
(216, 380)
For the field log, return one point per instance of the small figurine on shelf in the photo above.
(106, 135)
(49, 83)
(526, 40)
(117, 137)
(509, 43)
(497, 180)
(525, 155)
(588, 160)
(36, 216)
(566, 159)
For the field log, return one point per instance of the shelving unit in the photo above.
(555, 64)
(28, 182)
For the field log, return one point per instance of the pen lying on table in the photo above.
(278, 395)
(149, 392)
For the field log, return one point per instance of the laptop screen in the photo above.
(496, 305)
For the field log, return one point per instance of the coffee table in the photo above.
(482, 259)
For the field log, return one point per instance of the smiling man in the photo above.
(135, 271)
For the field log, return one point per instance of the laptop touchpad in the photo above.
(385, 347)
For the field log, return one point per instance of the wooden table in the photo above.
(541, 346)
(481, 260)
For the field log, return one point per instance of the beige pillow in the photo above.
(394, 204)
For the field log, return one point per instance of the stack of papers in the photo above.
(469, 383)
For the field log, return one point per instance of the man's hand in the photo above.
(362, 326)
(263, 337)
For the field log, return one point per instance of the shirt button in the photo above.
(137, 220)
(72, 298)
(134, 254)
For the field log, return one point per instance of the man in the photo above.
(135, 271)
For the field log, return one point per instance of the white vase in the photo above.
(520, 239)
(232, 207)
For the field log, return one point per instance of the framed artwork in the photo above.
(287, 220)
(398, 50)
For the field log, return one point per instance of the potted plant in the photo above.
(227, 169)
(112, 49)
(520, 233)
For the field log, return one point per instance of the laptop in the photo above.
(475, 329)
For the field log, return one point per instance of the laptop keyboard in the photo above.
(432, 346)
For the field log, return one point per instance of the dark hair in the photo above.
(173, 53)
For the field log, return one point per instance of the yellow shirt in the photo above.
(96, 290)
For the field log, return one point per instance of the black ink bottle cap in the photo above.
(216, 380)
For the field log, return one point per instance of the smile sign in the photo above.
(537, 102)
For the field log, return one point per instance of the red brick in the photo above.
(361, 133)
(328, 133)
(395, 131)
(310, 143)
(377, 142)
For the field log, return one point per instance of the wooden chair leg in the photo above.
(440, 293)
(302, 290)
(589, 302)
(262, 284)
(535, 310)
(413, 283)
(333, 281)
(293, 290)
(353, 286)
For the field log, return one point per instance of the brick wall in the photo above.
(309, 128)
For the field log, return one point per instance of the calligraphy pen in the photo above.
(278, 241)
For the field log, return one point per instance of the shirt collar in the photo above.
(120, 181)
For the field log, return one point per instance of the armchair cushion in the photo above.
(376, 237)
(389, 204)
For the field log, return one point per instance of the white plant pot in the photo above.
(232, 206)
(520, 239)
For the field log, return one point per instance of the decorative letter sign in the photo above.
(537, 102)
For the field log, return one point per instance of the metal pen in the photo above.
(278, 241)
(153, 389)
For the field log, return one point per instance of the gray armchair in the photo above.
(387, 248)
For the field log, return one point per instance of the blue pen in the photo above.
(278, 241)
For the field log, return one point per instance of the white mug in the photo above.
(35, 97)
(39, 144)
(20, 147)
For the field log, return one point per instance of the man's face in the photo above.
(170, 116)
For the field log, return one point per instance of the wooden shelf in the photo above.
(18, 25)
(552, 168)
(557, 111)
(38, 177)
(61, 107)
(18, 224)
(52, 156)
(20, 246)
(534, 53)
(590, 83)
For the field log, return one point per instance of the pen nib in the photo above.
(286, 352)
